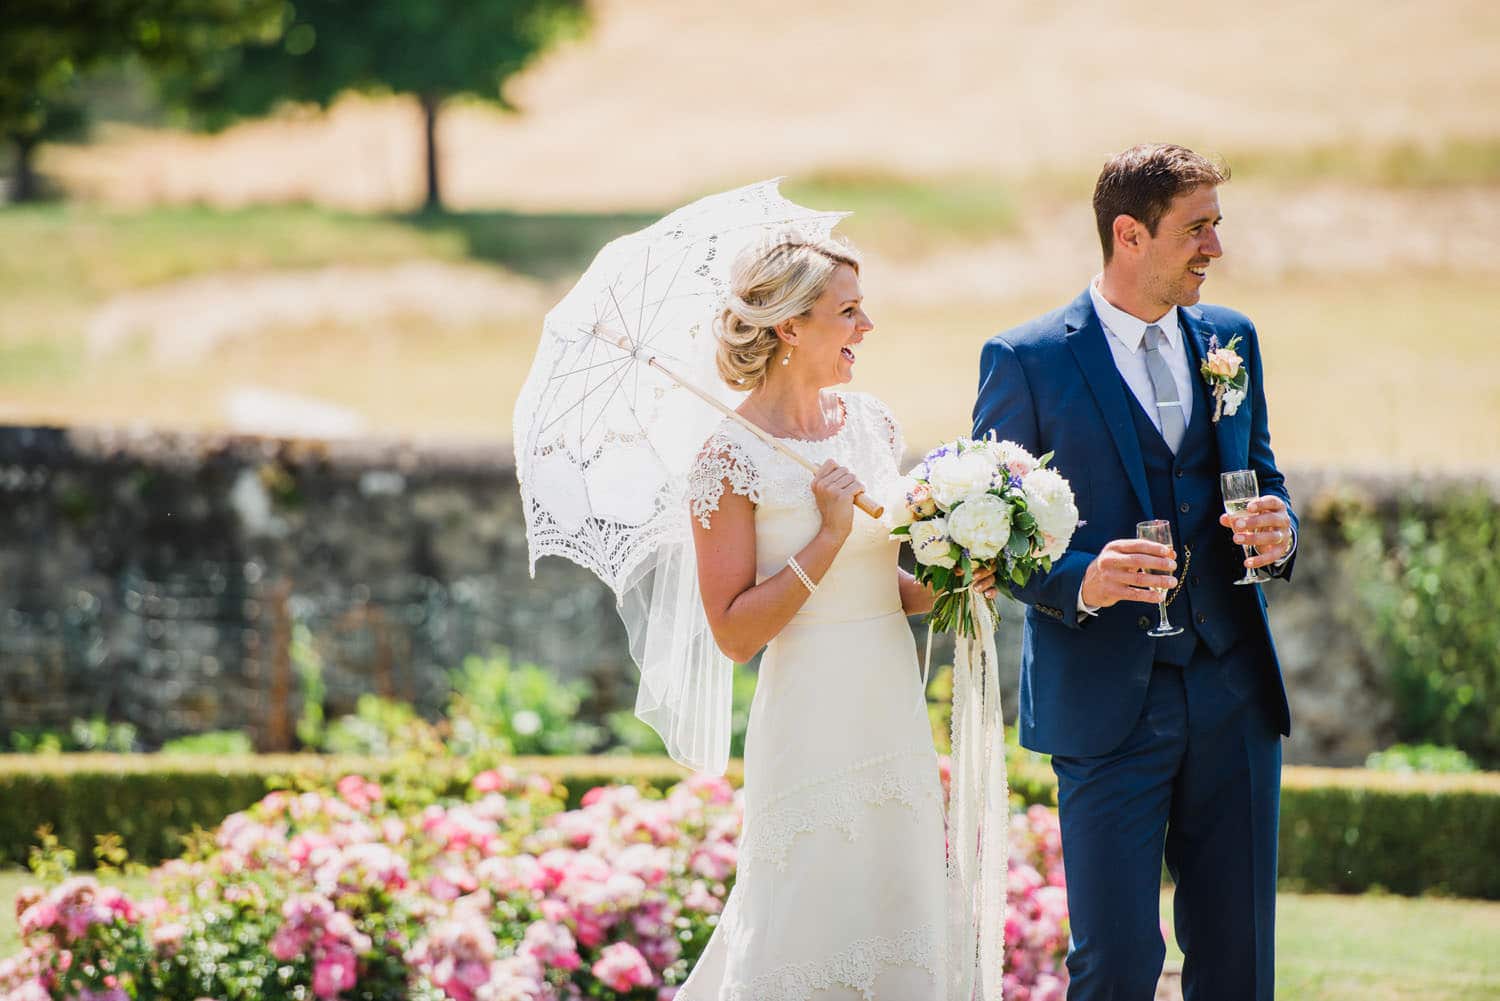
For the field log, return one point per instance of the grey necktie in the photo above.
(1168, 406)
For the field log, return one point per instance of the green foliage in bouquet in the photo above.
(1434, 598)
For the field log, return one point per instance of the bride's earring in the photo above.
(788, 359)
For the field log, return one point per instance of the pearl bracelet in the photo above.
(807, 581)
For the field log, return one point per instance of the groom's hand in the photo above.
(1267, 526)
(1122, 572)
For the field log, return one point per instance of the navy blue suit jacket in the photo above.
(1051, 385)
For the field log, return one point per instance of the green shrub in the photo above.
(517, 709)
(379, 728)
(95, 734)
(1430, 758)
(1433, 594)
(212, 744)
(1347, 831)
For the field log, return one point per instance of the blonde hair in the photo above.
(771, 283)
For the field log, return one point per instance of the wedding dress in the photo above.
(840, 887)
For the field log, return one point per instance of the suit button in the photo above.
(1194, 581)
(1143, 622)
(1201, 618)
(1184, 507)
(1179, 474)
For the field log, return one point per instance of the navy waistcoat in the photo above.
(1185, 491)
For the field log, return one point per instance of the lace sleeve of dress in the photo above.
(723, 461)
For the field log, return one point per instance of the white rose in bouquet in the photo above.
(1012, 458)
(955, 477)
(1050, 501)
(930, 544)
(981, 525)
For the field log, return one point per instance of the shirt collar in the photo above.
(1129, 330)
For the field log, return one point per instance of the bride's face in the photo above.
(828, 336)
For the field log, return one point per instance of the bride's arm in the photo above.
(744, 615)
(918, 599)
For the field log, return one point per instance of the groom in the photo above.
(1162, 747)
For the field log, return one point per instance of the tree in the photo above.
(48, 46)
(434, 50)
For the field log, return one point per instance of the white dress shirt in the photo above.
(1126, 336)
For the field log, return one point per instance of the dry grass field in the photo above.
(662, 100)
(192, 273)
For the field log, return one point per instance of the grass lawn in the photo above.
(1381, 948)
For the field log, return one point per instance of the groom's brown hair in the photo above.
(1142, 181)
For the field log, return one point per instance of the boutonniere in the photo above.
(1224, 371)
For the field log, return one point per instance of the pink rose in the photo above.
(1223, 363)
(552, 945)
(359, 792)
(621, 968)
(334, 973)
(920, 502)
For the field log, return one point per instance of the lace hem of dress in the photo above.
(777, 822)
(856, 967)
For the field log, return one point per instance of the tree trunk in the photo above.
(25, 189)
(431, 104)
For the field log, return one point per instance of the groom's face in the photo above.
(1176, 260)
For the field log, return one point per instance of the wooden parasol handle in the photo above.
(861, 501)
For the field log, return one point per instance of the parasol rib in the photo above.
(623, 342)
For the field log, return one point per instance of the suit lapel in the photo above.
(1086, 339)
(1234, 448)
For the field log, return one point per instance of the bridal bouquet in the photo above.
(977, 505)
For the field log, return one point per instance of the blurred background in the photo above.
(272, 274)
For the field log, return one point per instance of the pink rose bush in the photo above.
(503, 896)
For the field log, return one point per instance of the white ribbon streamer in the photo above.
(978, 817)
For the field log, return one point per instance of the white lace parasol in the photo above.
(608, 424)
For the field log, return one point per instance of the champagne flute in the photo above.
(1159, 531)
(1240, 488)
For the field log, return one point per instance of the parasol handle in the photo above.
(861, 501)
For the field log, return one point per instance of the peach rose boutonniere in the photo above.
(1224, 371)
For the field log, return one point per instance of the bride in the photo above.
(840, 891)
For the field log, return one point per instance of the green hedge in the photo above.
(1350, 830)
(1342, 830)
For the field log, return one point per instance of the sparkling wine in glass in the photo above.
(1159, 531)
(1240, 488)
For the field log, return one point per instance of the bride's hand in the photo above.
(834, 488)
(984, 584)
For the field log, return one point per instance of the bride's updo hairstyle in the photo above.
(771, 283)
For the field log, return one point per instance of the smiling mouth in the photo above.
(848, 353)
(1201, 270)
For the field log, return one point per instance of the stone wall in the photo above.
(159, 578)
